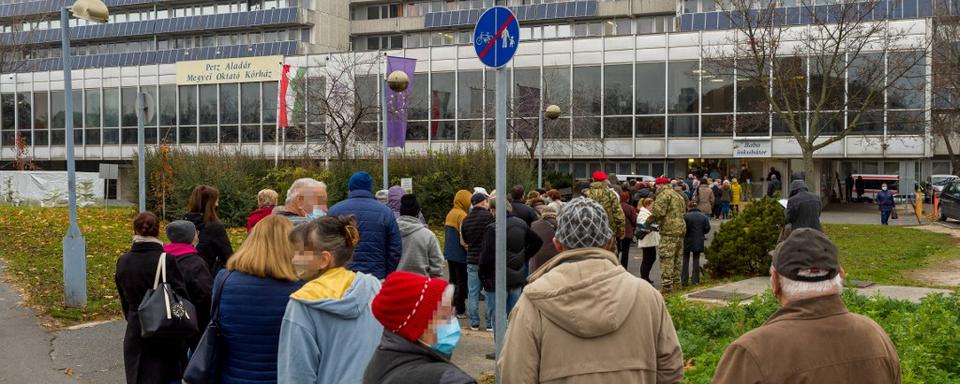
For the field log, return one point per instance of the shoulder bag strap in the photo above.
(161, 269)
(217, 292)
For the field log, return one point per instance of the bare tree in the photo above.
(341, 103)
(15, 46)
(821, 81)
(946, 77)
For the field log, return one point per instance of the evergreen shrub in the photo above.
(742, 245)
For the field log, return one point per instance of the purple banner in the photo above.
(397, 102)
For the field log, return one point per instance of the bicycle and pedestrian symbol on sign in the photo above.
(495, 36)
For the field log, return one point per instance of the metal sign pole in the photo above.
(501, 250)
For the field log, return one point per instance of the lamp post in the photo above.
(552, 112)
(398, 82)
(74, 246)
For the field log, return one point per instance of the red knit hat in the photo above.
(599, 175)
(662, 180)
(406, 303)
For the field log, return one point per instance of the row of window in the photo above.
(183, 42)
(613, 27)
(421, 8)
(160, 13)
(39, 116)
(697, 6)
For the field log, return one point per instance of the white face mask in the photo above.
(884, 188)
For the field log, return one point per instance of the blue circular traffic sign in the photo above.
(496, 36)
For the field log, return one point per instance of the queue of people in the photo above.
(357, 292)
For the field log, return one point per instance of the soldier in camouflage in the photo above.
(668, 210)
(600, 192)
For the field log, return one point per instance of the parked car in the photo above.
(935, 184)
(950, 201)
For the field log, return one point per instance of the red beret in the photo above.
(599, 176)
(663, 180)
(406, 303)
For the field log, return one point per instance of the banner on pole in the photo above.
(397, 102)
(284, 84)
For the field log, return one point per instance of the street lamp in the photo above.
(398, 82)
(74, 246)
(552, 112)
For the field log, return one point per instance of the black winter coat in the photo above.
(199, 283)
(525, 212)
(154, 360)
(522, 244)
(803, 208)
(214, 246)
(399, 361)
(472, 229)
(698, 226)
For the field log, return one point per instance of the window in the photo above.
(58, 110)
(128, 104)
(24, 115)
(229, 103)
(526, 92)
(618, 127)
(648, 126)
(7, 121)
(650, 96)
(40, 114)
(683, 126)
(908, 90)
(188, 105)
(250, 103)
(716, 90)
(417, 98)
(92, 116)
(208, 104)
(586, 100)
(168, 105)
(270, 103)
(682, 86)
(617, 90)
(470, 95)
(556, 82)
(441, 95)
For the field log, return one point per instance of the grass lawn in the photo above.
(883, 253)
(32, 248)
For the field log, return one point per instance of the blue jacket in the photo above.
(329, 333)
(251, 310)
(452, 249)
(378, 252)
(885, 200)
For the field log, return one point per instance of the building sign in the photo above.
(240, 70)
(751, 148)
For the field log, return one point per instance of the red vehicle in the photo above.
(872, 183)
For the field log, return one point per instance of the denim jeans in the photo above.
(885, 216)
(491, 302)
(473, 295)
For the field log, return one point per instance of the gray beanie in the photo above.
(583, 224)
(181, 231)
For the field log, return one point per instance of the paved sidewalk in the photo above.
(25, 352)
(749, 288)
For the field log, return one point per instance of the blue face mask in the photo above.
(316, 214)
(448, 335)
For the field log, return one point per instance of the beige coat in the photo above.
(704, 198)
(584, 319)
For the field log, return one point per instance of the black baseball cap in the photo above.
(478, 197)
(806, 255)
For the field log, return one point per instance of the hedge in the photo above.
(173, 173)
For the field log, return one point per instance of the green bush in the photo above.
(436, 178)
(926, 335)
(742, 245)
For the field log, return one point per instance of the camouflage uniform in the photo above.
(608, 199)
(668, 210)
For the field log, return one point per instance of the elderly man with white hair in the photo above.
(813, 338)
(306, 200)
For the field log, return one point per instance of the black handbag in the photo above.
(163, 313)
(204, 365)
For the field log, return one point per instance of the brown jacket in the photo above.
(584, 319)
(812, 341)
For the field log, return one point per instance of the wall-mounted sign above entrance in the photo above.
(240, 70)
(751, 148)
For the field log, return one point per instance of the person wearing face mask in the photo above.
(306, 201)
(214, 244)
(252, 293)
(886, 203)
(328, 333)
(183, 237)
(420, 333)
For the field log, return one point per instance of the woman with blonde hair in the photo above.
(252, 294)
(266, 201)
